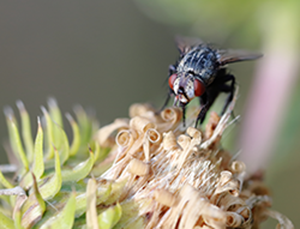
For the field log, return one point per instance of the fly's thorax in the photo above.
(202, 61)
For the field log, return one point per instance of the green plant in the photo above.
(155, 174)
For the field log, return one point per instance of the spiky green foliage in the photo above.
(53, 187)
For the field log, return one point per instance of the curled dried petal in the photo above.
(171, 117)
(238, 167)
(283, 221)
(138, 167)
(165, 197)
(245, 212)
(197, 206)
(139, 109)
(125, 138)
(227, 201)
(234, 219)
(169, 141)
(195, 134)
(103, 134)
(226, 176)
(232, 187)
(153, 135)
(184, 141)
(142, 124)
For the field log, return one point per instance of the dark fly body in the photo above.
(201, 72)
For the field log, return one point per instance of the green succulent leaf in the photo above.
(26, 181)
(6, 222)
(26, 130)
(34, 207)
(15, 139)
(116, 191)
(137, 223)
(50, 138)
(38, 162)
(85, 125)
(17, 220)
(52, 175)
(109, 218)
(4, 199)
(65, 218)
(63, 146)
(55, 112)
(80, 204)
(103, 192)
(101, 153)
(76, 135)
(4, 181)
(80, 171)
(20, 198)
(100, 168)
(56, 136)
(97, 151)
(53, 185)
(130, 210)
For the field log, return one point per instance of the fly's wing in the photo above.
(185, 44)
(231, 56)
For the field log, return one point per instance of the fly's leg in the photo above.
(219, 85)
(205, 106)
(182, 105)
(172, 70)
(228, 89)
(202, 113)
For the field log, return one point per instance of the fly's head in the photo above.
(185, 87)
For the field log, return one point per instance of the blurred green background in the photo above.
(110, 54)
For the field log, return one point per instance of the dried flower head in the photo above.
(181, 178)
(143, 172)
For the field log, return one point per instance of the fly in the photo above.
(201, 72)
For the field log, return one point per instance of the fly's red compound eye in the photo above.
(199, 87)
(172, 78)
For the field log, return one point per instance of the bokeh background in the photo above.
(107, 55)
